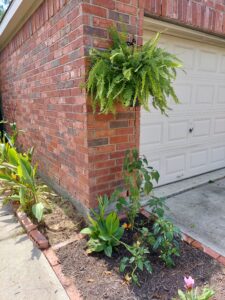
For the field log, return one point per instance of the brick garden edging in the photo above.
(194, 243)
(42, 243)
(67, 282)
(34, 234)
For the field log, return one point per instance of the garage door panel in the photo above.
(157, 137)
(175, 164)
(218, 155)
(201, 127)
(219, 127)
(205, 94)
(220, 98)
(199, 159)
(177, 131)
(186, 54)
(191, 140)
(207, 61)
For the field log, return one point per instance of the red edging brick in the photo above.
(42, 243)
(34, 234)
(205, 249)
(26, 222)
(194, 243)
(66, 282)
(77, 237)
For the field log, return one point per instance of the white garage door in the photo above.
(191, 140)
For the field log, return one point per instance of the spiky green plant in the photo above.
(130, 75)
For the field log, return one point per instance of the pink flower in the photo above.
(189, 283)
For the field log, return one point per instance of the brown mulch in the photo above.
(97, 277)
(62, 221)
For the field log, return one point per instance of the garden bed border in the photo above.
(50, 251)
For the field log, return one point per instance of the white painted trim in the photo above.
(9, 15)
(15, 17)
(154, 25)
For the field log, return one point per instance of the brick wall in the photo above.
(205, 15)
(40, 71)
(40, 74)
(109, 136)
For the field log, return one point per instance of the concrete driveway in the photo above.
(200, 213)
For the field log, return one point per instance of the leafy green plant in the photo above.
(129, 75)
(104, 231)
(157, 206)
(164, 239)
(139, 178)
(137, 261)
(192, 293)
(18, 176)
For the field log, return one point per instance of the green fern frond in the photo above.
(126, 75)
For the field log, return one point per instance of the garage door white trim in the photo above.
(183, 32)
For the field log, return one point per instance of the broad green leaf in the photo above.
(24, 170)
(108, 251)
(181, 295)
(86, 230)
(112, 222)
(38, 210)
(140, 264)
(148, 266)
(22, 196)
(13, 156)
(5, 177)
(123, 264)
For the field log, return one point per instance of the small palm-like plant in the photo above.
(130, 75)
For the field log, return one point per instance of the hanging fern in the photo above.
(130, 75)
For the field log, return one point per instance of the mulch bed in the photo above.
(97, 277)
(62, 221)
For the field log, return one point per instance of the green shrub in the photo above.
(139, 178)
(18, 177)
(104, 231)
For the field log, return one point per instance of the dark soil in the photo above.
(62, 220)
(97, 277)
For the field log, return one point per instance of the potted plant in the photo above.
(129, 74)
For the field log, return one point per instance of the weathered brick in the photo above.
(98, 142)
(95, 31)
(118, 16)
(94, 10)
(118, 124)
(110, 4)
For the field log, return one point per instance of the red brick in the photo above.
(211, 252)
(188, 239)
(127, 9)
(110, 4)
(197, 245)
(94, 10)
(119, 139)
(38, 238)
(221, 259)
(51, 257)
